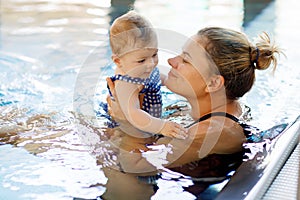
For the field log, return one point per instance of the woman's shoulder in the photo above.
(230, 137)
(221, 134)
(213, 125)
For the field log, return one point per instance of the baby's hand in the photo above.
(172, 129)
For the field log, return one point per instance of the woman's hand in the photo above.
(113, 106)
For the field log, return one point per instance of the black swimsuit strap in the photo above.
(222, 114)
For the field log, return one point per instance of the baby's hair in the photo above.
(237, 58)
(129, 32)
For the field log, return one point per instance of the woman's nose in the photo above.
(173, 62)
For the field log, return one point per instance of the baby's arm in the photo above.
(127, 95)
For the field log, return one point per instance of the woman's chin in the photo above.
(170, 84)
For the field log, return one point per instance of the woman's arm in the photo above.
(166, 152)
(130, 155)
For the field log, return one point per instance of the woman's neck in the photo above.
(202, 106)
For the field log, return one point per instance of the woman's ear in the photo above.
(215, 83)
(116, 60)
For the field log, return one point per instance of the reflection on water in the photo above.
(53, 138)
(120, 7)
(251, 9)
(43, 46)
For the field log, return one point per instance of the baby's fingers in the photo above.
(181, 128)
(179, 132)
(180, 135)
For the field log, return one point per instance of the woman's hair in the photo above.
(129, 32)
(237, 58)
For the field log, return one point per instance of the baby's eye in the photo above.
(154, 55)
(141, 61)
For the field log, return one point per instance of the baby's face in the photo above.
(140, 62)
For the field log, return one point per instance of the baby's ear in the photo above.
(215, 83)
(116, 60)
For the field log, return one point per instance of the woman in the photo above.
(216, 68)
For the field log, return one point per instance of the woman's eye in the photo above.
(141, 61)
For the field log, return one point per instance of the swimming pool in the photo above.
(44, 45)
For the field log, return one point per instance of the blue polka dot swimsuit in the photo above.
(152, 101)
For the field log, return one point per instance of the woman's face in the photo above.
(190, 70)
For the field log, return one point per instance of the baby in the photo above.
(137, 79)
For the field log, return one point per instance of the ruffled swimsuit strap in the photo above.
(129, 79)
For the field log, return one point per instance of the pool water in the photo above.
(49, 48)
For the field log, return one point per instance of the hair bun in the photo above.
(264, 54)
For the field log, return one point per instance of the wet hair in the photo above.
(131, 31)
(237, 58)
